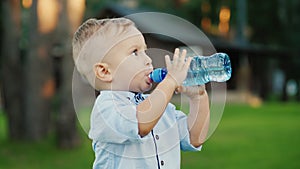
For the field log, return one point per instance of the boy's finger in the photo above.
(175, 57)
(187, 63)
(183, 56)
(168, 61)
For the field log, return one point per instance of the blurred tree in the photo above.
(39, 83)
(93, 7)
(11, 68)
(277, 27)
(280, 18)
(28, 85)
(264, 21)
(67, 136)
(26, 88)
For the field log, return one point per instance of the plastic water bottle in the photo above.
(203, 69)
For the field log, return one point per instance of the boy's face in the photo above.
(130, 65)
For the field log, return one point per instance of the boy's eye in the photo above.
(135, 52)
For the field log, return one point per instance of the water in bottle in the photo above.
(203, 69)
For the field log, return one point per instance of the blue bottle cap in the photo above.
(158, 75)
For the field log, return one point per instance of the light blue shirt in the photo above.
(117, 144)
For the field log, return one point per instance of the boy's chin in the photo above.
(146, 88)
(149, 87)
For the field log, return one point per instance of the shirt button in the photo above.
(157, 137)
(162, 162)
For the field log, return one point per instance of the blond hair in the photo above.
(94, 38)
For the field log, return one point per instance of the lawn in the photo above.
(265, 138)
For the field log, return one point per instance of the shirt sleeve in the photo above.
(114, 122)
(184, 135)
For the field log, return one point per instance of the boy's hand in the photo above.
(177, 69)
(193, 92)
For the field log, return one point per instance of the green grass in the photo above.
(42, 155)
(264, 138)
(3, 127)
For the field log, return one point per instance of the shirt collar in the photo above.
(126, 94)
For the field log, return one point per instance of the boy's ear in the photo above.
(102, 72)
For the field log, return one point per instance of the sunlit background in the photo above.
(260, 124)
(48, 13)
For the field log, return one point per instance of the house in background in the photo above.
(163, 33)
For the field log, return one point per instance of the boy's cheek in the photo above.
(126, 69)
(129, 67)
(124, 74)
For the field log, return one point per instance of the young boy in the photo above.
(129, 129)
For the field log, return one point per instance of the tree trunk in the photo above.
(67, 136)
(38, 82)
(11, 68)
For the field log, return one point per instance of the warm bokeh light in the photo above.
(224, 14)
(224, 18)
(223, 27)
(48, 88)
(26, 3)
(76, 10)
(206, 24)
(48, 11)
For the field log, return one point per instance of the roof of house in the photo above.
(175, 28)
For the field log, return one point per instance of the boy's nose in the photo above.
(148, 60)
